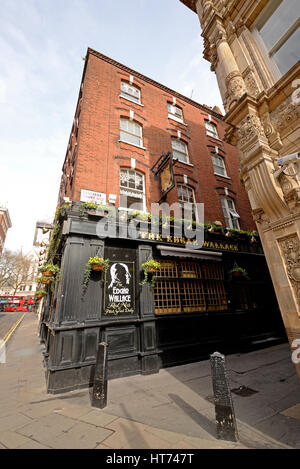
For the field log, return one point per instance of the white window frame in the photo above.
(175, 113)
(215, 156)
(126, 94)
(185, 152)
(211, 133)
(265, 15)
(192, 204)
(141, 194)
(230, 214)
(138, 135)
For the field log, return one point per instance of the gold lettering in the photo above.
(170, 239)
(151, 236)
(176, 240)
(144, 235)
(159, 237)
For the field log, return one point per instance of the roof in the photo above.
(207, 109)
(190, 4)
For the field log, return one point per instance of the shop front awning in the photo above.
(189, 253)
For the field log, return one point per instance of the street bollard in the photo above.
(225, 417)
(100, 379)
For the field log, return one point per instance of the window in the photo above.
(186, 197)
(131, 132)
(230, 214)
(279, 29)
(180, 151)
(184, 287)
(132, 189)
(130, 92)
(174, 112)
(219, 165)
(211, 129)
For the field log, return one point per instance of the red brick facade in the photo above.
(96, 154)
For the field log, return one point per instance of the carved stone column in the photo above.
(264, 123)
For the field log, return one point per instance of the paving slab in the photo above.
(81, 436)
(98, 418)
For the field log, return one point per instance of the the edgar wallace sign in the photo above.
(119, 291)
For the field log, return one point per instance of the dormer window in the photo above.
(130, 92)
(174, 112)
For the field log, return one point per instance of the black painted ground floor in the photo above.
(193, 307)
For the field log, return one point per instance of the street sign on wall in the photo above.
(92, 196)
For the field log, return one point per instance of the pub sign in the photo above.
(119, 289)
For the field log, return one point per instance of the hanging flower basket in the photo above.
(150, 267)
(39, 294)
(96, 264)
(237, 272)
(46, 280)
(49, 270)
(48, 273)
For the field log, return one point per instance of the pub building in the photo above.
(135, 142)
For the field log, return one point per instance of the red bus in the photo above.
(17, 303)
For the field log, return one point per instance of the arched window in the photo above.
(131, 132)
(211, 129)
(186, 198)
(130, 92)
(180, 151)
(230, 214)
(132, 189)
(219, 165)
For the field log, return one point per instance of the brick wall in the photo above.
(95, 153)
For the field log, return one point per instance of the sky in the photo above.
(42, 45)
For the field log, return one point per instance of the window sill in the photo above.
(183, 162)
(133, 144)
(222, 176)
(216, 138)
(131, 100)
(176, 120)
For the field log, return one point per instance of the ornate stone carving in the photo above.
(285, 114)
(291, 191)
(251, 84)
(250, 127)
(267, 125)
(235, 89)
(290, 248)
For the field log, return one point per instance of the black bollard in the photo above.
(100, 379)
(225, 417)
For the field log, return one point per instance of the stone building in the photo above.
(5, 224)
(135, 141)
(253, 47)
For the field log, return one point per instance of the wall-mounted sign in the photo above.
(119, 291)
(166, 178)
(92, 196)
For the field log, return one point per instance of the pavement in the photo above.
(172, 409)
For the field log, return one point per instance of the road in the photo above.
(8, 320)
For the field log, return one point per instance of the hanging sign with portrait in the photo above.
(119, 289)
